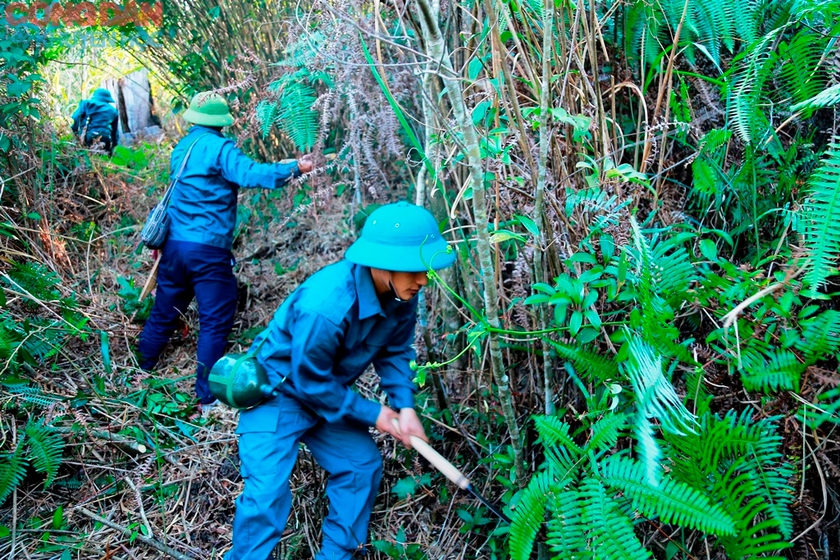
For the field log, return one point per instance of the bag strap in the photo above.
(168, 194)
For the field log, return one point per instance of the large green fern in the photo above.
(727, 478)
(655, 395)
(610, 531)
(768, 369)
(671, 501)
(736, 462)
(291, 109)
(45, 448)
(822, 218)
(566, 531)
(826, 98)
(12, 471)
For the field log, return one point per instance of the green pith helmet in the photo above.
(238, 380)
(103, 95)
(401, 237)
(209, 109)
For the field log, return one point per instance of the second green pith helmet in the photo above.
(401, 237)
(208, 109)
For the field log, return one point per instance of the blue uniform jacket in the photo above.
(327, 333)
(98, 118)
(203, 205)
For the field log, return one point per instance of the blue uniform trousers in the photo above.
(190, 270)
(268, 448)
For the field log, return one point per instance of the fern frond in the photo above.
(33, 395)
(772, 474)
(826, 98)
(605, 432)
(822, 218)
(706, 183)
(552, 431)
(529, 515)
(820, 336)
(771, 371)
(45, 449)
(36, 279)
(12, 471)
(566, 531)
(673, 272)
(594, 365)
(297, 118)
(655, 394)
(825, 410)
(656, 320)
(672, 501)
(744, 102)
(800, 71)
(292, 110)
(648, 450)
(610, 531)
(737, 463)
(267, 113)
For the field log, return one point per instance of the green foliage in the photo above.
(709, 27)
(130, 295)
(726, 478)
(45, 448)
(736, 462)
(40, 447)
(656, 396)
(25, 50)
(822, 218)
(826, 98)
(12, 472)
(671, 501)
(400, 548)
(769, 370)
(292, 108)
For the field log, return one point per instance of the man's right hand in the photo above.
(384, 423)
(305, 164)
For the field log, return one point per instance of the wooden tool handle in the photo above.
(437, 460)
(152, 280)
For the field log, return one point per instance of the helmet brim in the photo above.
(204, 119)
(400, 258)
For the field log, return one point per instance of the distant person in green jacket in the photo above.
(95, 120)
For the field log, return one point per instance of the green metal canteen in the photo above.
(240, 381)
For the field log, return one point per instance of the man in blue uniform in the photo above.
(95, 120)
(197, 259)
(347, 316)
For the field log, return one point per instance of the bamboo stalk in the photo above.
(539, 205)
(438, 52)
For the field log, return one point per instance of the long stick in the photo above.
(450, 471)
(145, 540)
(151, 282)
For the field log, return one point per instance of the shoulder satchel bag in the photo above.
(154, 232)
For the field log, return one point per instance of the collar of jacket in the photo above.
(366, 292)
(204, 130)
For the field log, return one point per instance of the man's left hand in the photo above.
(410, 425)
(305, 164)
